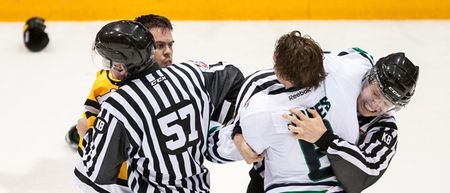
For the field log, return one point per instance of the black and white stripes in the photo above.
(369, 159)
(221, 146)
(160, 123)
(261, 81)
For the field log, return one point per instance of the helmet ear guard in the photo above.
(396, 76)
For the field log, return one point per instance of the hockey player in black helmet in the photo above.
(135, 51)
(34, 35)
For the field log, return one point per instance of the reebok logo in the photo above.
(299, 94)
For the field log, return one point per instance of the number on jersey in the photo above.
(178, 127)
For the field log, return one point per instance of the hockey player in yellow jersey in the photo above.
(107, 81)
(104, 83)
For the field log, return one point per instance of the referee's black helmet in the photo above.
(126, 42)
(397, 77)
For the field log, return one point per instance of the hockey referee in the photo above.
(159, 118)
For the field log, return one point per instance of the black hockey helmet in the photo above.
(397, 77)
(127, 42)
(34, 35)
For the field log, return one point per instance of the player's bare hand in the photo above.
(246, 151)
(82, 127)
(306, 128)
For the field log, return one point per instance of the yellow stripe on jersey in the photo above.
(103, 86)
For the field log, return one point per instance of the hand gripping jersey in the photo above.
(295, 165)
(159, 123)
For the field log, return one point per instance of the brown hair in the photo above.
(299, 59)
(151, 21)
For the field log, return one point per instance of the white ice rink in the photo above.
(41, 95)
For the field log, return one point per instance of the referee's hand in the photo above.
(303, 127)
(245, 150)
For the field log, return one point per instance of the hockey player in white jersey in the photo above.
(290, 164)
(265, 86)
(387, 88)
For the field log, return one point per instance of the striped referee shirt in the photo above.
(358, 166)
(159, 123)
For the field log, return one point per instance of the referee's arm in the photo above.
(359, 166)
(106, 150)
(223, 82)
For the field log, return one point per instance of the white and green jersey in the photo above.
(295, 165)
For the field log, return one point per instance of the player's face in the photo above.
(371, 101)
(163, 43)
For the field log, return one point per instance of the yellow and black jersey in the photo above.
(103, 86)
